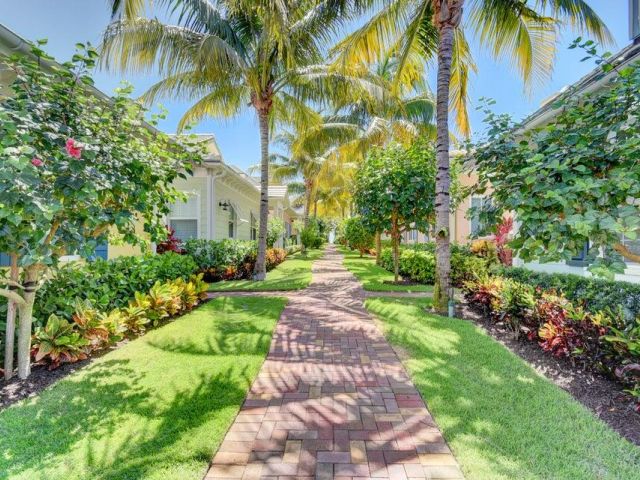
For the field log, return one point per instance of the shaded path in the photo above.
(332, 400)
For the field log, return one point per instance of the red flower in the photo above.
(73, 149)
(36, 162)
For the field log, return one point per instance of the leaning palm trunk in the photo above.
(446, 17)
(12, 308)
(307, 206)
(260, 271)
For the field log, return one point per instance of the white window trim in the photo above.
(196, 218)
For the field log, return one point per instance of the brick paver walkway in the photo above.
(332, 400)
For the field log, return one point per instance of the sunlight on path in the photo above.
(332, 399)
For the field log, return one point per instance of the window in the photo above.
(580, 260)
(233, 221)
(183, 218)
(254, 227)
(478, 203)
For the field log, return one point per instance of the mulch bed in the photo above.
(604, 397)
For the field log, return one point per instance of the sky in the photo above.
(66, 22)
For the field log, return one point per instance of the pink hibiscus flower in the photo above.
(73, 148)
(36, 162)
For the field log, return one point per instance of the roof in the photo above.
(278, 191)
(589, 83)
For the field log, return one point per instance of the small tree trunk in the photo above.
(260, 270)
(307, 203)
(447, 15)
(395, 240)
(378, 247)
(31, 277)
(12, 307)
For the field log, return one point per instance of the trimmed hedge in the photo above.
(419, 264)
(107, 284)
(229, 259)
(593, 294)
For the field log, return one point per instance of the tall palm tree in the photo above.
(423, 30)
(226, 55)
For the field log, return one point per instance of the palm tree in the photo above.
(418, 31)
(226, 55)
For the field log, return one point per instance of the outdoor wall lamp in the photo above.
(225, 206)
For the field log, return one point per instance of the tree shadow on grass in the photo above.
(232, 337)
(76, 426)
(502, 418)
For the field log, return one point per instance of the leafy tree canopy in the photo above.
(399, 182)
(574, 180)
(74, 163)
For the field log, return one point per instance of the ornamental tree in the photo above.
(74, 165)
(572, 181)
(395, 191)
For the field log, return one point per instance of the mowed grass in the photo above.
(292, 274)
(156, 408)
(373, 276)
(501, 419)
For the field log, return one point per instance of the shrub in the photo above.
(60, 341)
(310, 236)
(107, 284)
(275, 231)
(593, 294)
(171, 244)
(274, 257)
(223, 259)
(357, 235)
(419, 265)
(513, 305)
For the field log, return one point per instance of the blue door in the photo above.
(102, 251)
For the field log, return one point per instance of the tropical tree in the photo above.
(74, 165)
(226, 55)
(420, 31)
(572, 182)
(395, 191)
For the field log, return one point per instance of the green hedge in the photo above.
(592, 293)
(419, 264)
(107, 284)
(223, 259)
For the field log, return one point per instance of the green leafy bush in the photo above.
(357, 235)
(418, 264)
(310, 236)
(275, 231)
(593, 294)
(107, 284)
(223, 259)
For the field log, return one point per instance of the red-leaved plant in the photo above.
(171, 244)
(505, 254)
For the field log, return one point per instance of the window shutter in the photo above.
(184, 229)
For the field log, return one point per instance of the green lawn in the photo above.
(502, 419)
(157, 408)
(373, 276)
(292, 274)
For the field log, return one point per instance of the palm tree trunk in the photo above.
(12, 307)
(260, 270)
(447, 17)
(307, 205)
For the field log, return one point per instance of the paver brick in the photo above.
(332, 400)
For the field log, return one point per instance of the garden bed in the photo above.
(604, 397)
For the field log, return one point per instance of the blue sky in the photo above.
(66, 22)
